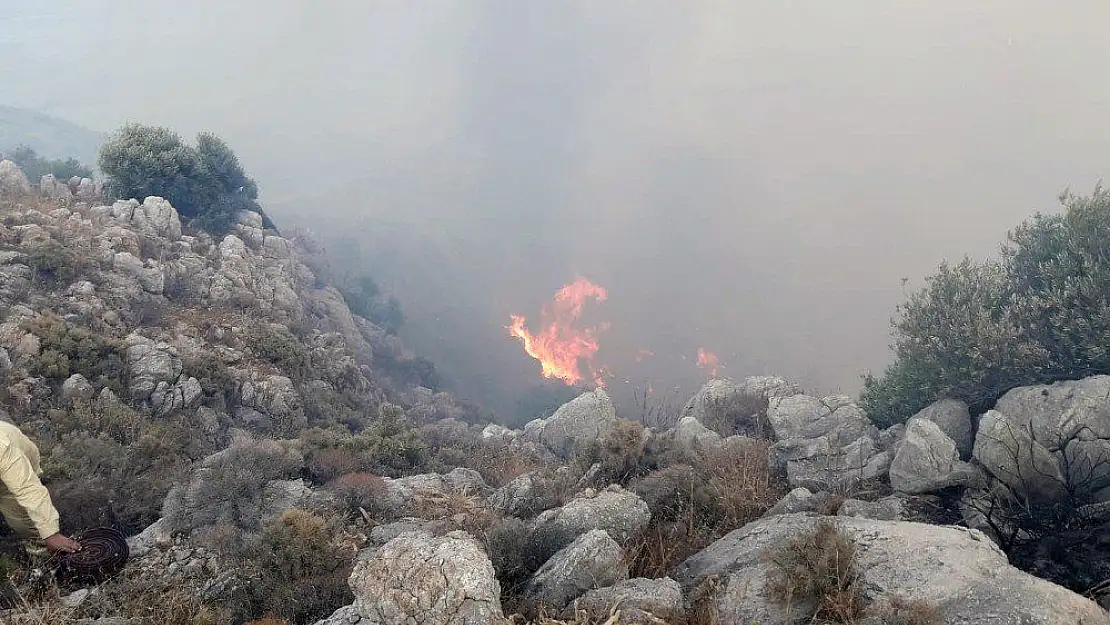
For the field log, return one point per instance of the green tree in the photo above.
(1041, 313)
(205, 183)
(35, 166)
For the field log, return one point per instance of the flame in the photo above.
(708, 360)
(559, 345)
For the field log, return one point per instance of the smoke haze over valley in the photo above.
(750, 178)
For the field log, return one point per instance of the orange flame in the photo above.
(559, 346)
(708, 360)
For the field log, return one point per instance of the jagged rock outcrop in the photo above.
(824, 444)
(12, 180)
(886, 509)
(150, 364)
(417, 579)
(927, 460)
(621, 513)
(961, 572)
(416, 490)
(1013, 456)
(52, 188)
(581, 421)
(722, 398)
(593, 560)
(1046, 439)
(77, 388)
(954, 419)
(693, 438)
(516, 498)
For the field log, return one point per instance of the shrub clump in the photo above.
(66, 349)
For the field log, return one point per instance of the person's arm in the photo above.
(18, 476)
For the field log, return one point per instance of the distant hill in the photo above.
(50, 137)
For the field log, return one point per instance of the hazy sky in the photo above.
(750, 177)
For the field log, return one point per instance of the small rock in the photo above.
(76, 388)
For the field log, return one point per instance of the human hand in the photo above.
(61, 543)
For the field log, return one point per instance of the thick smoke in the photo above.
(755, 179)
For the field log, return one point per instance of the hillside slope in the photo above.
(49, 136)
(275, 460)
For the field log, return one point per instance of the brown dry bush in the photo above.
(815, 576)
(517, 551)
(300, 570)
(457, 444)
(361, 490)
(693, 505)
(741, 413)
(148, 597)
(622, 455)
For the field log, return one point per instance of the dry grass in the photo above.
(741, 414)
(133, 595)
(694, 506)
(899, 611)
(815, 575)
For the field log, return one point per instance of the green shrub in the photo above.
(1041, 313)
(205, 183)
(111, 465)
(66, 349)
(366, 300)
(213, 374)
(300, 572)
(54, 262)
(276, 344)
(390, 447)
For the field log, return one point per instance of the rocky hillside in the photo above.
(276, 459)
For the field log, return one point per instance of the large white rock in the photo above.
(960, 571)
(416, 579)
(583, 420)
(926, 460)
(619, 512)
(12, 179)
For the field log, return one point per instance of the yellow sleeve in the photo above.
(18, 476)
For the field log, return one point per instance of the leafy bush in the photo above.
(366, 300)
(275, 344)
(109, 465)
(517, 551)
(205, 183)
(1041, 313)
(35, 166)
(390, 446)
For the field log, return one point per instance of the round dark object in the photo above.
(103, 553)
